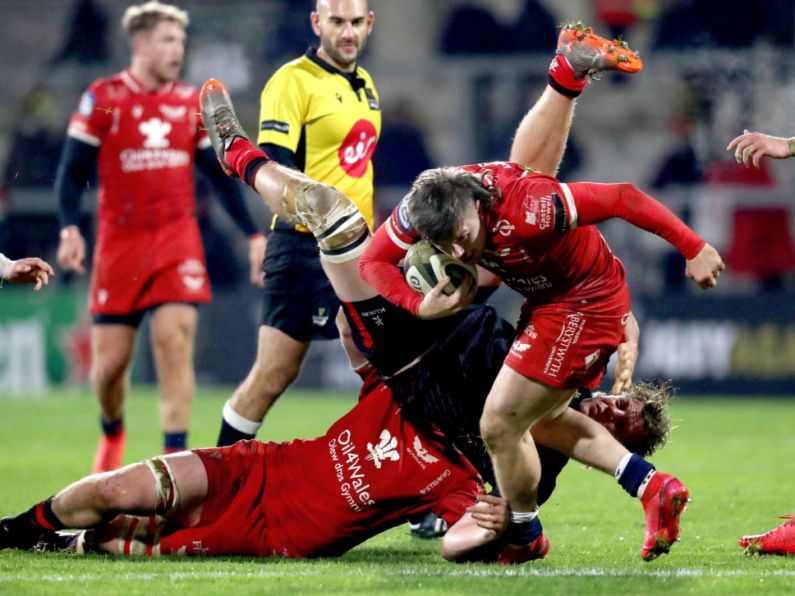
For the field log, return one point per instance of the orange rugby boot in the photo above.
(110, 453)
(779, 541)
(664, 500)
(590, 54)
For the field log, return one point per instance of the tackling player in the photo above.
(141, 129)
(31, 270)
(370, 470)
(319, 114)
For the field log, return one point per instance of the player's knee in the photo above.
(340, 228)
(107, 372)
(495, 430)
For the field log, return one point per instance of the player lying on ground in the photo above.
(371, 469)
(31, 270)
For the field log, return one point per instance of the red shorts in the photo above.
(135, 269)
(233, 514)
(563, 347)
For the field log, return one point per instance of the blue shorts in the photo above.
(299, 299)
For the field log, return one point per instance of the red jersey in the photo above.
(147, 140)
(539, 240)
(369, 472)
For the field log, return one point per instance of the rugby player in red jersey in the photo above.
(306, 498)
(537, 235)
(141, 129)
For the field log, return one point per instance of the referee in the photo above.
(318, 114)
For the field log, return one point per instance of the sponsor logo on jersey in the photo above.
(422, 452)
(155, 130)
(435, 482)
(503, 228)
(518, 348)
(353, 484)
(539, 212)
(403, 217)
(386, 450)
(102, 296)
(320, 318)
(173, 112)
(155, 153)
(372, 101)
(357, 149)
(192, 273)
(137, 111)
(569, 335)
(87, 102)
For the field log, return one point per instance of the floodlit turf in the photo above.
(735, 455)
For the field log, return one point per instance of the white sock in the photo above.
(236, 421)
(522, 517)
(622, 465)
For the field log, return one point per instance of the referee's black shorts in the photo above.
(299, 299)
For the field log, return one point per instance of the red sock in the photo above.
(561, 77)
(244, 159)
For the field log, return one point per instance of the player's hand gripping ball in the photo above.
(424, 265)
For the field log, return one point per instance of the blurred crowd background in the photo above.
(454, 77)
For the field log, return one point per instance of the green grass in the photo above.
(735, 455)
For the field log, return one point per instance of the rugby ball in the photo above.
(424, 265)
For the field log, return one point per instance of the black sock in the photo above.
(38, 518)
(112, 428)
(229, 435)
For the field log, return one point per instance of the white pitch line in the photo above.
(456, 572)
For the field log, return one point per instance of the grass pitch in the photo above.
(736, 456)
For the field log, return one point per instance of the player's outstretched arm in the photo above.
(595, 203)
(750, 147)
(30, 270)
(482, 524)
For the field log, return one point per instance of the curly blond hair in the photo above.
(656, 418)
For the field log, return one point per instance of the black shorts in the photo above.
(299, 299)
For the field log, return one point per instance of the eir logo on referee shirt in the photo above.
(357, 149)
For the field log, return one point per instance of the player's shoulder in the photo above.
(184, 92)
(301, 68)
(364, 74)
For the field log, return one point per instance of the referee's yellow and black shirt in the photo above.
(329, 119)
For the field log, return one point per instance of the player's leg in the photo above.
(540, 139)
(340, 229)
(111, 351)
(168, 486)
(173, 337)
(277, 364)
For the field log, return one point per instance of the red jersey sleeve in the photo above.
(453, 504)
(592, 203)
(93, 117)
(379, 265)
